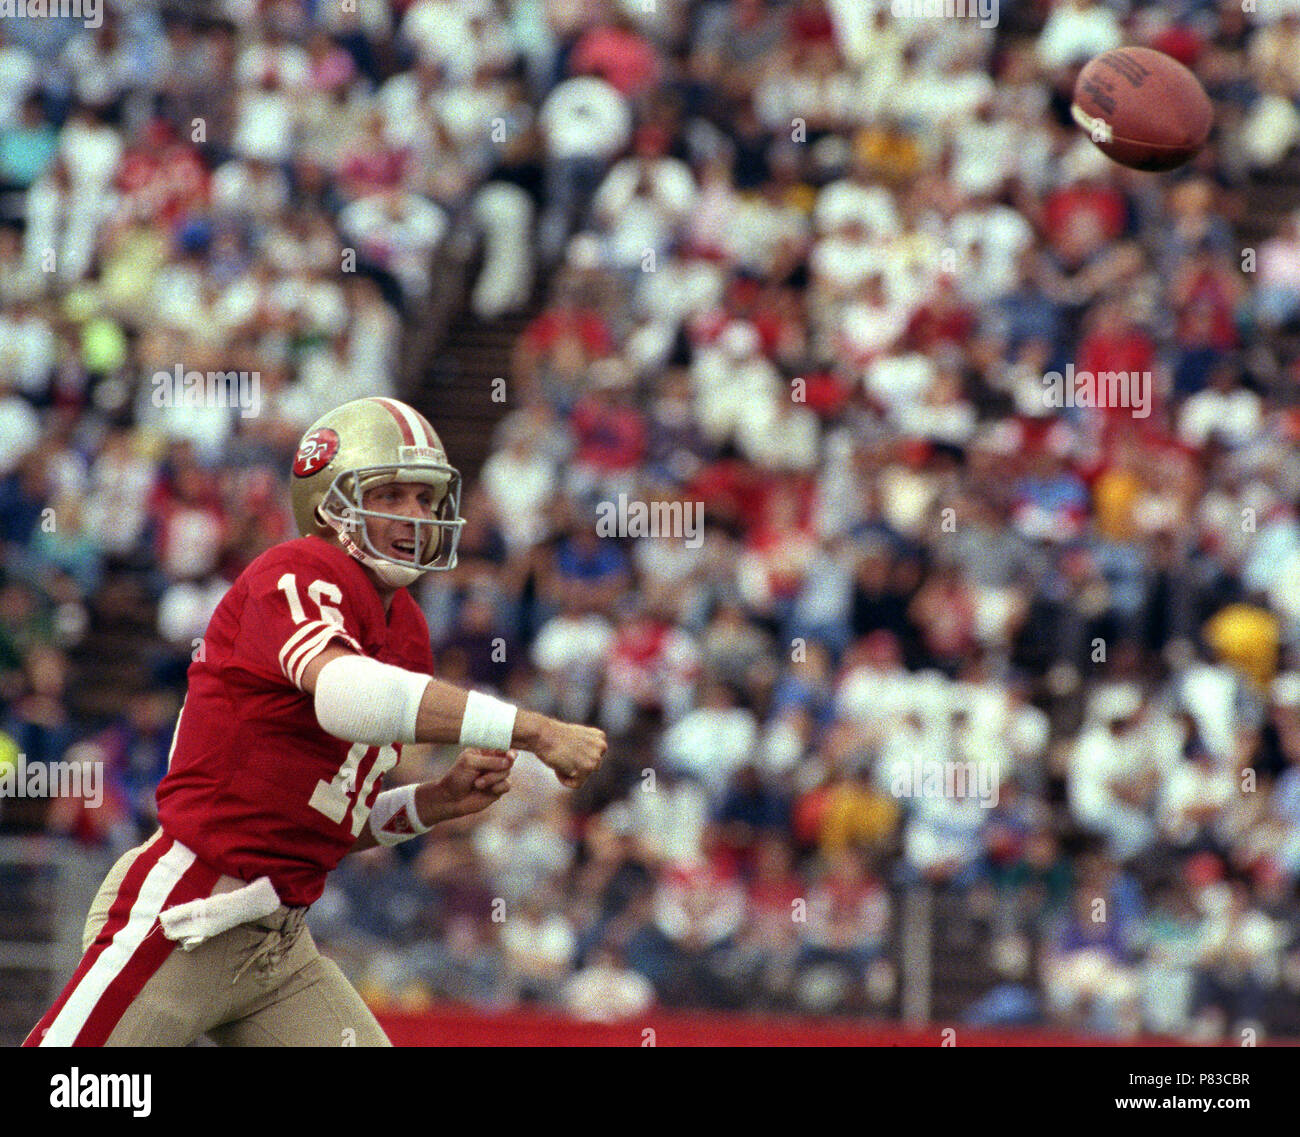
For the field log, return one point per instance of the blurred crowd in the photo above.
(805, 262)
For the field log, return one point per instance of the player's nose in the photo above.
(413, 508)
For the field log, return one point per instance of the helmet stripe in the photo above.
(404, 416)
(430, 439)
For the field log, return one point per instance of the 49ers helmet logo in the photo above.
(316, 452)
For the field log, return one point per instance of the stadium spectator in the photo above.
(606, 989)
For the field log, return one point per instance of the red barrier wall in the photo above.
(460, 1026)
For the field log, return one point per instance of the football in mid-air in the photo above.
(1143, 108)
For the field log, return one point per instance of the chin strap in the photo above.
(395, 576)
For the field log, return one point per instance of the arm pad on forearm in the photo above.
(363, 700)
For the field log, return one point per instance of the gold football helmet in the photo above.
(366, 443)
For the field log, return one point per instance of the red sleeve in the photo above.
(583, 417)
(632, 432)
(291, 614)
(1090, 355)
(595, 335)
(540, 334)
(587, 54)
(137, 170)
(1057, 209)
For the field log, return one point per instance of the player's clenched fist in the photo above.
(477, 779)
(573, 751)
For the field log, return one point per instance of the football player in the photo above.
(314, 670)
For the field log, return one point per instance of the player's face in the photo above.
(396, 539)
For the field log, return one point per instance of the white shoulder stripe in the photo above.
(302, 632)
(309, 650)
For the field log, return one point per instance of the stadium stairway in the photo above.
(113, 660)
(450, 357)
(455, 390)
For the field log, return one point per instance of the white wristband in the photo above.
(394, 818)
(489, 723)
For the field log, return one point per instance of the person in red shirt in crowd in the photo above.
(1089, 199)
(810, 25)
(733, 492)
(827, 392)
(652, 666)
(1113, 342)
(609, 430)
(330, 68)
(699, 908)
(618, 53)
(1206, 294)
(773, 885)
(778, 551)
(558, 346)
(942, 319)
(162, 178)
(371, 164)
(775, 311)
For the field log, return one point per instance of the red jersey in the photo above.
(254, 786)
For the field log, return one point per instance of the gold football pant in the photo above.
(262, 983)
